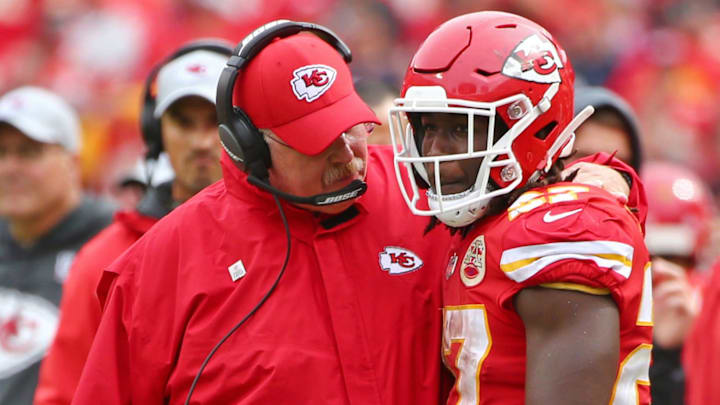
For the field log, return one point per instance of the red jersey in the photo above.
(355, 319)
(564, 236)
(701, 354)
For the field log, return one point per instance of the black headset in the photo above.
(240, 138)
(149, 125)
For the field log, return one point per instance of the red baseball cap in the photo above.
(301, 88)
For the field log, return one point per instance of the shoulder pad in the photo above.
(567, 222)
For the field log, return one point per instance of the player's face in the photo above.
(337, 166)
(189, 130)
(593, 137)
(447, 134)
(35, 177)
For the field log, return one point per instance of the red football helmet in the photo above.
(679, 210)
(500, 66)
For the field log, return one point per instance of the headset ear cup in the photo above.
(231, 145)
(150, 128)
(257, 154)
(245, 146)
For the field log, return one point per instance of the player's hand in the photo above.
(600, 176)
(675, 304)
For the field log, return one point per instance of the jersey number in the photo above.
(468, 335)
(467, 340)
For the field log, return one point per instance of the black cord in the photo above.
(149, 166)
(259, 304)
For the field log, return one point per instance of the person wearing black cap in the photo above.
(613, 128)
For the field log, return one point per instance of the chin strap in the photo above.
(566, 139)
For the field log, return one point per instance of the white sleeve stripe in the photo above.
(596, 247)
(523, 262)
(525, 272)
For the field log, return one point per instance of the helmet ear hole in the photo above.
(501, 128)
(543, 133)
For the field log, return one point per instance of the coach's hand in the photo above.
(600, 176)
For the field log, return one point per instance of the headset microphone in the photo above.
(355, 189)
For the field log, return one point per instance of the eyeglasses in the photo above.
(25, 152)
(351, 134)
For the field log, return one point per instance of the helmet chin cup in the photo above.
(460, 217)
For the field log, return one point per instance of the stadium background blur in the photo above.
(663, 56)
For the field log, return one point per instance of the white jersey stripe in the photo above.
(523, 262)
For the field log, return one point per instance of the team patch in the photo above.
(311, 82)
(397, 260)
(27, 327)
(472, 270)
(535, 59)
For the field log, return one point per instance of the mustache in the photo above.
(339, 172)
(203, 154)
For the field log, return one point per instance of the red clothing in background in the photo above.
(701, 355)
(80, 309)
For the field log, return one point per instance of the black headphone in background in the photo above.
(240, 138)
(149, 125)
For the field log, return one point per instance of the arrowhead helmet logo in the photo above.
(535, 59)
(397, 260)
(312, 81)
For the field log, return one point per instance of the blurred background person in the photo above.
(181, 121)
(131, 185)
(701, 356)
(680, 212)
(612, 128)
(44, 219)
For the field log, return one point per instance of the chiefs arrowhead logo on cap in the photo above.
(311, 82)
(535, 59)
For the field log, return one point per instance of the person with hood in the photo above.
(613, 127)
(679, 224)
(45, 217)
(179, 120)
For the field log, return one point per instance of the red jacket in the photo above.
(701, 355)
(355, 320)
(80, 310)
